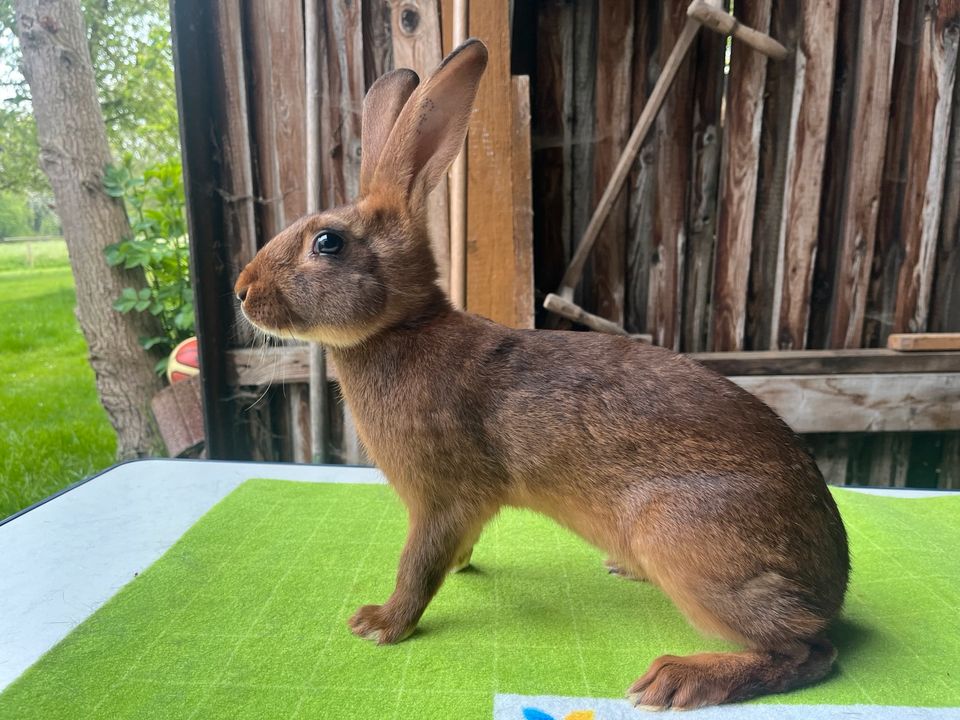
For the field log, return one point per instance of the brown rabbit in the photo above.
(677, 473)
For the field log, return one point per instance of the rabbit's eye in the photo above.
(327, 243)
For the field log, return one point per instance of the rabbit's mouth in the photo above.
(330, 336)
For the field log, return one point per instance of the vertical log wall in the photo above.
(806, 204)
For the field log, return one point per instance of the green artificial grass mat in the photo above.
(245, 617)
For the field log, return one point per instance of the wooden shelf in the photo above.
(819, 391)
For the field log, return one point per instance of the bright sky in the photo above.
(9, 73)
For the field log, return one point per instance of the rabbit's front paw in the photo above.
(374, 622)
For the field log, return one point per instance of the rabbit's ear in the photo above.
(381, 107)
(430, 130)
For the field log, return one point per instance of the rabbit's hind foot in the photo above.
(684, 683)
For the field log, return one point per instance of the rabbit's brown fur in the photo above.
(681, 476)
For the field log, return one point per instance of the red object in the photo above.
(184, 361)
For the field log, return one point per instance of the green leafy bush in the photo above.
(158, 244)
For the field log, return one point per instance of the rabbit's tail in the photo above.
(713, 678)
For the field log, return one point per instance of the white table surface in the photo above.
(64, 558)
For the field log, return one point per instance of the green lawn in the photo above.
(52, 428)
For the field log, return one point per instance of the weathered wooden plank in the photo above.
(277, 365)
(880, 459)
(848, 402)
(673, 150)
(827, 362)
(289, 364)
(491, 268)
(775, 152)
(949, 471)
(415, 30)
(923, 467)
(836, 166)
(522, 204)
(861, 403)
(583, 127)
(646, 38)
(236, 181)
(945, 309)
(377, 39)
(878, 27)
(936, 72)
(269, 205)
(278, 101)
(702, 209)
(289, 100)
(738, 183)
(298, 399)
(832, 453)
(343, 92)
(809, 124)
(888, 246)
(551, 144)
(612, 128)
(288, 104)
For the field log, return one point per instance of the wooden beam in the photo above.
(931, 108)
(673, 150)
(738, 183)
(287, 365)
(828, 362)
(200, 87)
(819, 403)
(377, 40)
(878, 31)
(274, 365)
(646, 36)
(491, 271)
(522, 204)
(861, 403)
(342, 92)
(836, 163)
(276, 58)
(704, 186)
(605, 292)
(551, 142)
(945, 308)
(278, 102)
(889, 243)
(809, 124)
(775, 151)
(924, 341)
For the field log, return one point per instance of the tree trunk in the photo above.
(73, 154)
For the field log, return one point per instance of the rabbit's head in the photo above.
(340, 276)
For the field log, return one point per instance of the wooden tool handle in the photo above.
(726, 24)
(572, 311)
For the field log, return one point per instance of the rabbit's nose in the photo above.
(242, 293)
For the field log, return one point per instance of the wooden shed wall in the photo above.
(811, 203)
